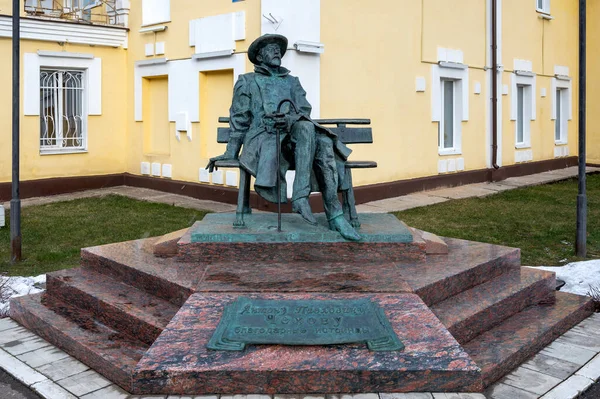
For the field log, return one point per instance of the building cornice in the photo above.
(66, 32)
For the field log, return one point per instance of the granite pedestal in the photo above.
(466, 317)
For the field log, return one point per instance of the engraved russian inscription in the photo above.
(304, 322)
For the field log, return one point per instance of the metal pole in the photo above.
(15, 203)
(581, 239)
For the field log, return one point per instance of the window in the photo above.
(446, 125)
(562, 104)
(63, 117)
(542, 6)
(560, 123)
(520, 120)
(449, 104)
(523, 102)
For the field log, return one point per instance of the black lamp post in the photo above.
(581, 239)
(15, 203)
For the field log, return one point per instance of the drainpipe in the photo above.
(495, 84)
(15, 202)
(581, 239)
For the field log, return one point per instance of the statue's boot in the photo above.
(302, 207)
(341, 225)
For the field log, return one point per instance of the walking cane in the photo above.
(278, 114)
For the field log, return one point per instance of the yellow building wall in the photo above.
(157, 128)
(546, 43)
(373, 55)
(215, 91)
(371, 61)
(593, 83)
(106, 133)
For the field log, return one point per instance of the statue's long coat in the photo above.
(256, 95)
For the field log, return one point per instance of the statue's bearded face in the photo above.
(270, 55)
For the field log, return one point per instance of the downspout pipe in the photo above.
(581, 238)
(15, 202)
(495, 84)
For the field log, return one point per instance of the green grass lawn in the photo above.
(540, 220)
(54, 234)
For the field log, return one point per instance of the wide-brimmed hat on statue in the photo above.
(263, 41)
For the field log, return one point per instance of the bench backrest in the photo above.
(347, 135)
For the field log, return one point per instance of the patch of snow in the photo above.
(578, 276)
(19, 286)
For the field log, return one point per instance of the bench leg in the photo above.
(245, 176)
(243, 203)
(350, 203)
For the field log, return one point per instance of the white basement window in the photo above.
(155, 12)
(63, 115)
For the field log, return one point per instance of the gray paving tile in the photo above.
(15, 334)
(587, 341)
(84, 383)
(298, 396)
(591, 369)
(51, 390)
(458, 396)
(413, 395)
(552, 366)
(110, 392)
(42, 356)
(368, 208)
(571, 388)
(7, 324)
(354, 396)
(461, 192)
(19, 370)
(570, 353)
(202, 397)
(20, 346)
(63, 368)
(531, 381)
(503, 391)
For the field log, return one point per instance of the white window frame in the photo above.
(564, 87)
(155, 12)
(561, 116)
(545, 6)
(528, 81)
(459, 74)
(442, 125)
(59, 113)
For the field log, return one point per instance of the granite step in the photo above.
(504, 347)
(134, 263)
(118, 305)
(480, 308)
(466, 265)
(107, 351)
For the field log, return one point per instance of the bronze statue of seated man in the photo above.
(269, 99)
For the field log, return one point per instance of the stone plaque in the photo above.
(304, 322)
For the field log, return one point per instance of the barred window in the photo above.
(63, 119)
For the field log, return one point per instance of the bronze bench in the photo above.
(361, 134)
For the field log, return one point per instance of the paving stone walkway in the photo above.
(563, 370)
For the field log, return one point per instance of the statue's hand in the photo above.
(279, 121)
(211, 164)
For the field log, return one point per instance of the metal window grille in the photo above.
(62, 116)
